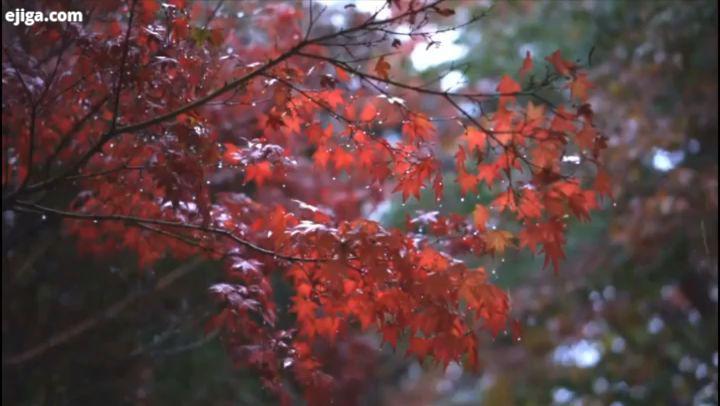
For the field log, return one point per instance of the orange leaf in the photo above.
(516, 329)
(488, 173)
(333, 98)
(418, 127)
(562, 122)
(579, 87)
(410, 186)
(472, 281)
(445, 12)
(382, 68)
(507, 88)
(535, 113)
(419, 346)
(342, 159)
(529, 206)
(603, 184)
(341, 74)
(232, 155)
(498, 240)
(368, 113)
(480, 216)
(476, 138)
(505, 201)
(467, 181)
(390, 334)
(585, 139)
(527, 65)
(321, 157)
(562, 66)
(258, 172)
(508, 85)
(431, 259)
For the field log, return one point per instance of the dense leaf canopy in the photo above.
(266, 138)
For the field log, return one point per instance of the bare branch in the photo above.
(93, 321)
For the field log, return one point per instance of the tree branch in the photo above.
(33, 207)
(121, 70)
(93, 321)
(161, 118)
(114, 131)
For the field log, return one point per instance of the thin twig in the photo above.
(121, 69)
(27, 206)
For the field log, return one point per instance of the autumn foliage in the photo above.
(262, 138)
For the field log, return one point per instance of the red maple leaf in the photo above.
(527, 65)
(561, 65)
(258, 172)
(382, 68)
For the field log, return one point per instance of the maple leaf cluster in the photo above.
(172, 130)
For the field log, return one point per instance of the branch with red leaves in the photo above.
(167, 141)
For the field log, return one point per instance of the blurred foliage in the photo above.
(632, 316)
